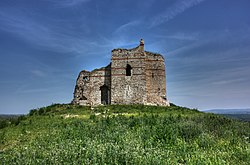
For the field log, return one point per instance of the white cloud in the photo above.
(177, 8)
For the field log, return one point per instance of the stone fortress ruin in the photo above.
(134, 76)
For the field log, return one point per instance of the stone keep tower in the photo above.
(134, 76)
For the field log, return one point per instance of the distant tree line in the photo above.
(7, 120)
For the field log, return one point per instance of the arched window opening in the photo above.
(153, 75)
(128, 70)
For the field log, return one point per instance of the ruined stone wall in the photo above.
(134, 76)
(128, 89)
(93, 88)
(82, 92)
(155, 79)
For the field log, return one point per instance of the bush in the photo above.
(4, 123)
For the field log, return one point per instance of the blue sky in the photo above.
(44, 44)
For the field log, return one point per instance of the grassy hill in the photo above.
(136, 134)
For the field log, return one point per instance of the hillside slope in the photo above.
(67, 134)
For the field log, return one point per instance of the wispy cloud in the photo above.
(217, 64)
(224, 82)
(222, 43)
(49, 36)
(38, 73)
(177, 8)
(180, 36)
(127, 26)
(39, 90)
(69, 3)
(26, 28)
(118, 41)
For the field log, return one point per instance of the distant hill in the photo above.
(8, 116)
(123, 134)
(229, 111)
(242, 114)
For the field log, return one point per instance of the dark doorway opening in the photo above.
(105, 95)
(128, 70)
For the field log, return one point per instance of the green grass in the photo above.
(135, 134)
